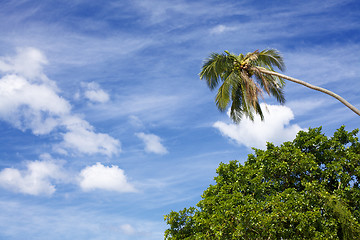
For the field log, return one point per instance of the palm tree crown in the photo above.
(242, 80)
(245, 78)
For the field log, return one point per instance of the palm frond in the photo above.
(223, 95)
(238, 106)
(244, 104)
(278, 93)
(258, 110)
(210, 70)
(278, 81)
(251, 90)
(271, 57)
(274, 85)
(262, 80)
(251, 57)
(236, 110)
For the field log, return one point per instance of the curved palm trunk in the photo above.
(346, 103)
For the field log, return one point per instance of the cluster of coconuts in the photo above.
(238, 66)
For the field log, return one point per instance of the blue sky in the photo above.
(106, 126)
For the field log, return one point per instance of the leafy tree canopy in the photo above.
(304, 189)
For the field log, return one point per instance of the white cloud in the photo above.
(39, 178)
(81, 138)
(221, 29)
(152, 143)
(36, 179)
(127, 229)
(86, 141)
(28, 62)
(29, 100)
(102, 177)
(30, 106)
(275, 128)
(94, 93)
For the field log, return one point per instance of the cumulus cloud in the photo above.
(30, 106)
(40, 177)
(81, 138)
(86, 141)
(36, 179)
(275, 128)
(103, 177)
(28, 62)
(152, 143)
(29, 100)
(94, 93)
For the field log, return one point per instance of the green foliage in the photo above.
(305, 189)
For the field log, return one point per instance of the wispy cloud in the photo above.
(94, 93)
(152, 143)
(148, 107)
(136, 122)
(127, 229)
(57, 221)
(221, 29)
(275, 128)
(160, 11)
(317, 68)
(304, 106)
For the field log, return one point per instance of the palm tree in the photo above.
(245, 78)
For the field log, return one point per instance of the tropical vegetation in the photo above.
(304, 189)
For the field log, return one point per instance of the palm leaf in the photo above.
(214, 67)
(271, 57)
